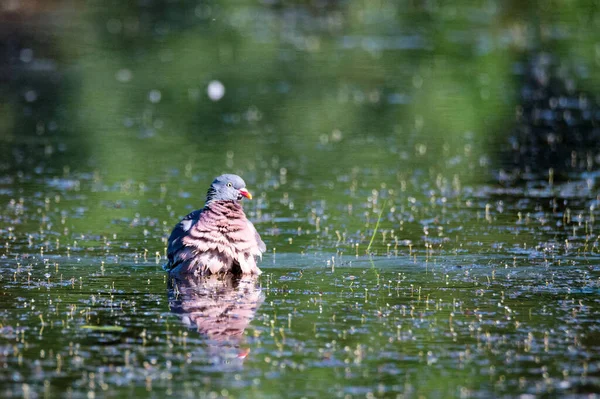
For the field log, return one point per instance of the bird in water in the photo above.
(217, 239)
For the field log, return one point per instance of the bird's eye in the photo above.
(229, 184)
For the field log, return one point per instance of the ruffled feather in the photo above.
(213, 240)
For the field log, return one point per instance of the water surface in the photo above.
(424, 176)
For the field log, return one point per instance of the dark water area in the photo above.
(425, 176)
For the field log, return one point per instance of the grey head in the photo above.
(227, 187)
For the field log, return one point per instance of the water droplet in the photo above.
(31, 96)
(26, 55)
(215, 90)
(154, 96)
(124, 75)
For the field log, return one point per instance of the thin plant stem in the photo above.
(376, 226)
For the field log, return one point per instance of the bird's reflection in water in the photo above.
(220, 307)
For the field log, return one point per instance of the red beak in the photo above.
(245, 193)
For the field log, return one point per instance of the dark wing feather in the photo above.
(175, 243)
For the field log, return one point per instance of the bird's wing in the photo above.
(175, 243)
(259, 242)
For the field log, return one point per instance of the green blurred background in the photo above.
(121, 87)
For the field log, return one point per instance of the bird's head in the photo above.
(227, 188)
